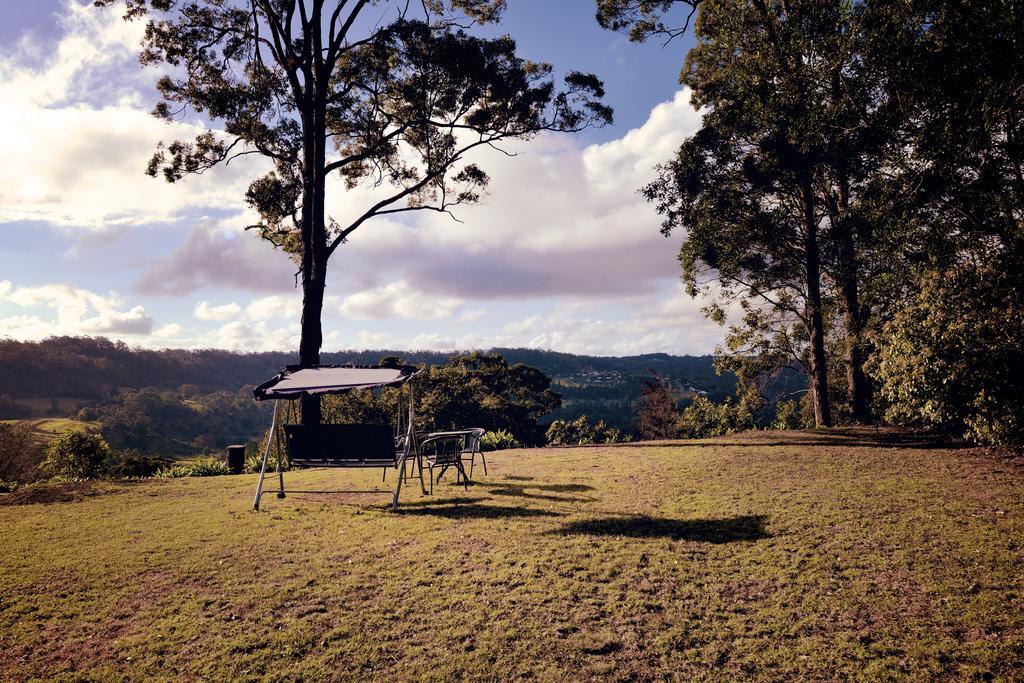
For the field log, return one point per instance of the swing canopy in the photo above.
(296, 380)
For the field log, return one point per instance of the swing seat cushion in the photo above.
(340, 445)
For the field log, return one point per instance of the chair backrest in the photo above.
(472, 444)
(340, 445)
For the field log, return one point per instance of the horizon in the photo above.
(562, 254)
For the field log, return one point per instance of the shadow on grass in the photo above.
(70, 492)
(552, 488)
(519, 492)
(729, 530)
(473, 510)
(845, 437)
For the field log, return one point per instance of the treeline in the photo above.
(856, 191)
(95, 367)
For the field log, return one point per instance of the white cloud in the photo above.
(77, 311)
(275, 306)
(168, 331)
(204, 311)
(75, 133)
(398, 300)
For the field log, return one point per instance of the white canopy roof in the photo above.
(330, 379)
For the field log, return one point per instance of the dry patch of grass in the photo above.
(763, 556)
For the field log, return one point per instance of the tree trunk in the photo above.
(816, 327)
(858, 390)
(314, 247)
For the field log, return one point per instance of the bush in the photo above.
(580, 431)
(175, 472)
(208, 467)
(8, 486)
(947, 359)
(76, 454)
(499, 440)
(134, 465)
(204, 467)
(789, 415)
(20, 453)
(704, 418)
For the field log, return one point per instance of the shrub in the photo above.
(704, 418)
(20, 453)
(204, 467)
(208, 467)
(947, 359)
(499, 440)
(657, 413)
(8, 486)
(134, 465)
(175, 472)
(789, 415)
(580, 431)
(76, 454)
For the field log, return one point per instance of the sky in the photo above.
(561, 254)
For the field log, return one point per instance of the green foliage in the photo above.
(165, 423)
(945, 359)
(704, 418)
(789, 415)
(580, 432)
(254, 457)
(76, 454)
(470, 390)
(203, 467)
(134, 465)
(499, 440)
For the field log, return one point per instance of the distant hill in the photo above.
(93, 367)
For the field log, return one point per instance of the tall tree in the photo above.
(399, 99)
(812, 48)
(744, 186)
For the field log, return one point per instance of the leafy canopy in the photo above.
(393, 94)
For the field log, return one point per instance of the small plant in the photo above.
(580, 431)
(204, 467)
(208, 467)
(133, 465)
(704, 418)
(174, 472)
(789, 415)
(499, 440)
(76, 454)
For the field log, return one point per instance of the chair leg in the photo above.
(472, 463)
(465, 479)
(484, 459)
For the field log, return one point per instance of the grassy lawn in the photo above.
(47, 429)
(767, 556)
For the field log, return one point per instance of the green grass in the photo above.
(47, 429)
(767, 556)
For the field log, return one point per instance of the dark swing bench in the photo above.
(341, 445)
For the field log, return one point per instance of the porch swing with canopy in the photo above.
(338, 445)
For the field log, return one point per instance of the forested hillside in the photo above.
(95, 370)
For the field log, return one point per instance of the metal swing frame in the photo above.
(411, 447)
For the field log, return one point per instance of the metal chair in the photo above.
(471, 447)
(447, 452)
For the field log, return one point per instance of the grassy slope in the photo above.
(766, 556)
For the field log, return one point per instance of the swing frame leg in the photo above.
(266, 456)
